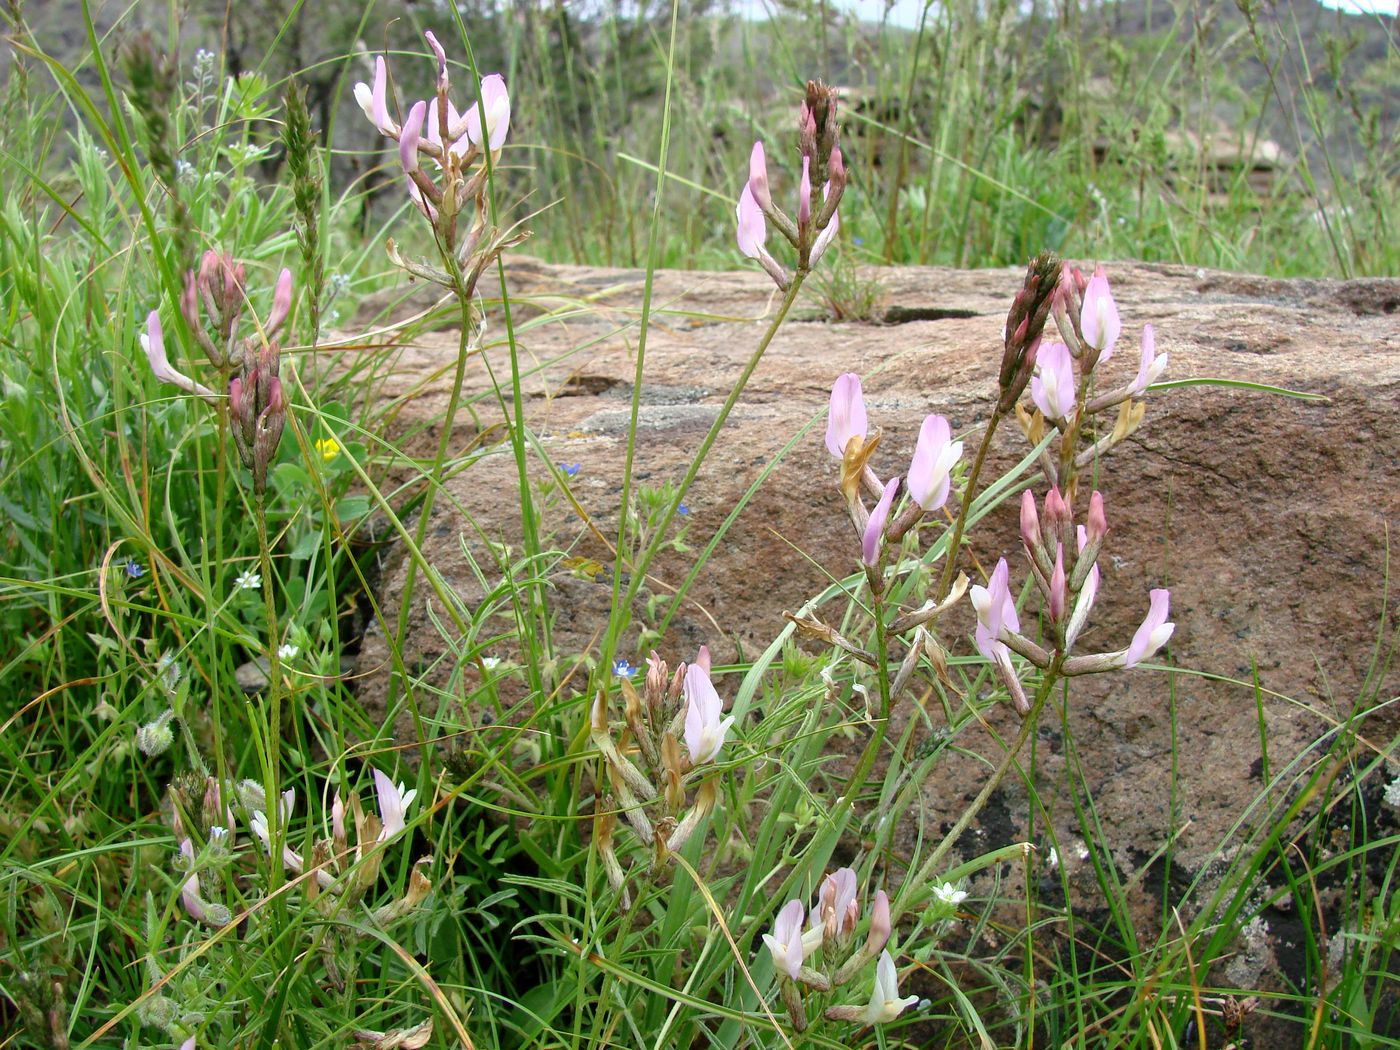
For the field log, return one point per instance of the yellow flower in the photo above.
(329, 448)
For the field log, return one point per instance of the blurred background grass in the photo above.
(1250, 136)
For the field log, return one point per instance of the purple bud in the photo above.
(441, 61)
(1057, 596)
(1030, 522)
(804, 194)
(189, 302)
(880, 926)
(281, 301)
(1098, 521)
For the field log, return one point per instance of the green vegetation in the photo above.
(182, 596)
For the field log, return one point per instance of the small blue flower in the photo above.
(682, 509)
(570, 469)
(622, 669)
(134, 569)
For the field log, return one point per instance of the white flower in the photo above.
(393, 805)
(1392, 793)
(704, 731)
(885, 1003)
(950, 894)
(785, 942)
(248, 581)
(287, 652)
(490, 662)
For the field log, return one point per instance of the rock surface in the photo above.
(1266, 516)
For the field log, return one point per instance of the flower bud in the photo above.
(1024, 324)
(1057, 596)
(1030, 523)
(879, 934)
(281, 302)
(155, 737)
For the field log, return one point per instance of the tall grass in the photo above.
(144, 576)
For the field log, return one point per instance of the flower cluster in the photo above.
(818, 143)
(257, 405)
(1069, 584)
(212, 819)
(927, 487)
(460, 147)
(927, 484)
(673, 705)
(825, 956)
(1089, 324)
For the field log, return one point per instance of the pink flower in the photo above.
(441, 56)
(996, 611)
(785, 942)
(1099, 319)
(935, 456)
(432, 128)
(1154, 632)
(1152, 364)
(753, 230)
(824, 239)
(374, 100)
(153, 343)
(1052, 389)
(415, 194)
(495, 102)
(846, 418)
(804, 194)
(704, 730)
(875, 527)
(393, 805)
(837, 908)
(758, 176)
(412, 134)
(1058, 586)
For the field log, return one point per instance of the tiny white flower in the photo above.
(950, 894)
(490, 662)
(287, 652)
(248, 581)
(1392, 793)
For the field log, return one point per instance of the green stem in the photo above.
(923, 877)
(639, 569)
(272, 780)
(435, 473)
(950, 556)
